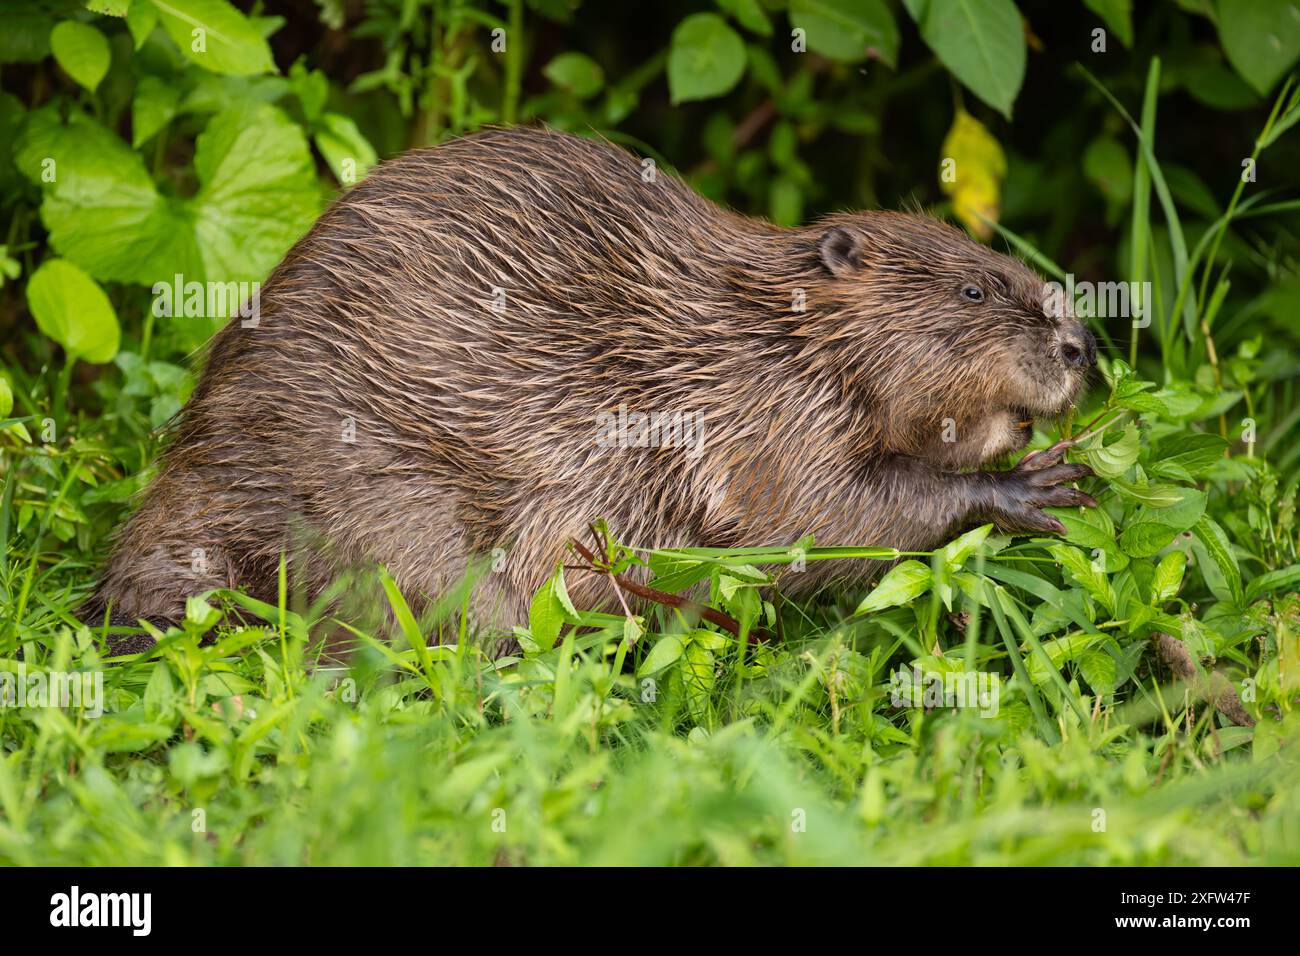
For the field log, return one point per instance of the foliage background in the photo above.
(210, 163)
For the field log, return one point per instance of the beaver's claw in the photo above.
(1041, 480)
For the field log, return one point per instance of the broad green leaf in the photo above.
(257, 195)
(1114, 459)
(959, 549)
(1261, 38)
(706, 58)
(71, 308)
(1146, 538)
(141, 18)
(1118, 15)
(1168, 577)
(1085, 573)
(1174, 401)
(901, 584)
(847, 30)
(82, 52)
(1151, 495)
(1219, 549)
(216, 36)
(1099, 670)
(100, 206)
(666, 651)
(345, 148)
(749, 14)
(698, 676)
(981, 41)
(562, 595)
(152, 108)
(546, 616)
(1093, 530)
(1060, 651)
(1195, 453)
(1180, 510)
(312, 88)
(6, 397)
(1272, 581)
(576, 72)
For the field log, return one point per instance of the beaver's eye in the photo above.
(973, 292)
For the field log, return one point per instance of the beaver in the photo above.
(436, 366)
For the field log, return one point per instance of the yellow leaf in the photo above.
(971, 173)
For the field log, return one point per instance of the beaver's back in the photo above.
(423, 381)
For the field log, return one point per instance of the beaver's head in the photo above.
(960, 346)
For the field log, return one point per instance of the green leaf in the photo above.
(312, 88)
(101, 207)
(1261, 38)
(1113, 460)
(405, 619)
(847, 30)
(216, 36)
(1180, 512)
(1093, 530)
(749, 14)
(706, 58)
(258, 192)
(579, 74)
(141, 18)
(901, 584)
(958, 550)
(1197, 454)
(1059, 652)
(1118, 15)
(1168, 577)
(667, 650)
(1151, 495)
(1266, 583)
(981, 41)
(1099, 670)
(1219, 549)
(110, 8)
(73, 310)
(1088, 576)
(82, 51)
(1174, 401)
(1146, 538)
(345, 148)
(152, 108)
(546, 616)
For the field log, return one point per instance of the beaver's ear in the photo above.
(841, 251)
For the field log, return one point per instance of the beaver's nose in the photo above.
(1079, 349)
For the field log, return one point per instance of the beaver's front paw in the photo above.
(1041, 480)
